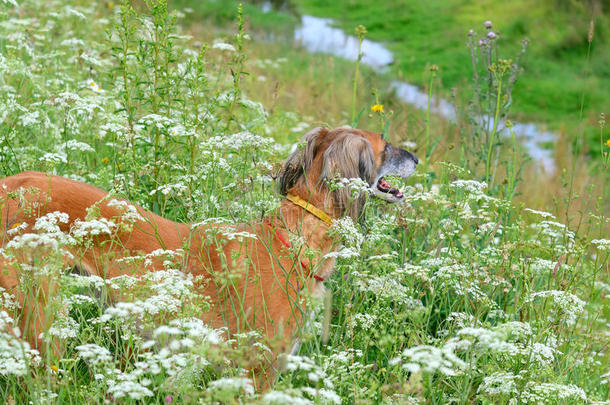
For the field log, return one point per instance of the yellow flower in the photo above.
(608, 143)
(377, 108)
(111, 5)
(54, 368)
(105, 160)
(15, 225)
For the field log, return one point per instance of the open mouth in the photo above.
(385, 187)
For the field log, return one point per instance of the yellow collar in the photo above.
(308, 207)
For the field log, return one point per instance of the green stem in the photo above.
(355, 85)
(427, 142)
(513, 176)
(493, 133)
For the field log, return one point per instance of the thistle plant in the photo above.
(493, 80)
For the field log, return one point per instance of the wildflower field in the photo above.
(462, 293)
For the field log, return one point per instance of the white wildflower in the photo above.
(602, 244)
(365, 321)
(94, 86)
(73, 43)
(343, 253)
(131, 389)
(196, 329)
(346, 229)
(167, 189)
(430, 359)
(129, 213)
(567, 305)
(54, 158)
(15, 355)
(282, 398)
(64, 327)
(75, 145)
(234, 385)
(550, 393)
(94, 354)
(94, 227)
(499, 383)
(470, 186)
(223, 46)
(542, 214)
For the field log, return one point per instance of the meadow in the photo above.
(470, 291)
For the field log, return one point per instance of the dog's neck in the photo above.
(307, 206)
(302, 222)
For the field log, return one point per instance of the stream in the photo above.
(317, 35)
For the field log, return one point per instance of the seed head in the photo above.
(360, 31)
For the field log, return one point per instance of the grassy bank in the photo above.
(320, 88)
(564, 86)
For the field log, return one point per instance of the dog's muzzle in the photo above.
(399, 163)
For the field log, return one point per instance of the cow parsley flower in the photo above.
(94, 354)
(132, 389)
(94, 227)
(542, 214)
(282, 398)
(75, 145)
(566, 305)
(64, 327)
(223, 46)
(470, 186)
(232, 384)
(602, 244)
(499, 383)
(15, 355)
(551, 393)
(347, 231)
(430, 359)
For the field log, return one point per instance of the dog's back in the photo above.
(264, 297)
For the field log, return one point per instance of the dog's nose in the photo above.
(415, 159)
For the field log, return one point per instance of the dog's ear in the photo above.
(301, 159)
(349, 156)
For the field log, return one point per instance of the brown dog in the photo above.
(273, 276)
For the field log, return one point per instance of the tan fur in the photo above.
(269, 294)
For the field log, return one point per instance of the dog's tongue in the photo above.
(384, 185)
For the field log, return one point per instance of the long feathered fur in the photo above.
(345, 156)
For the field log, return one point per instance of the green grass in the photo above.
(557, 74)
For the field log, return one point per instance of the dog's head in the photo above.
(349, 153)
